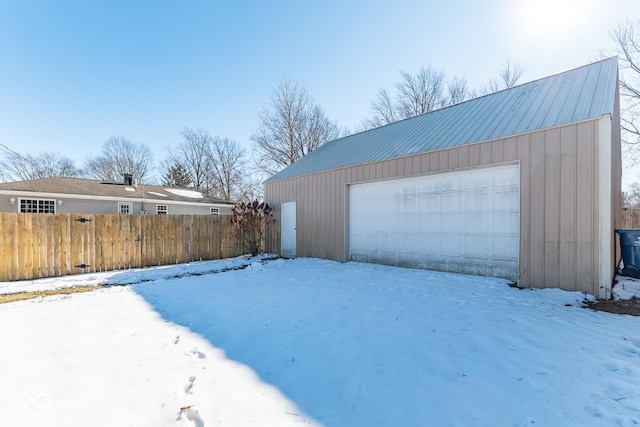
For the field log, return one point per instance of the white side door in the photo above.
(288, 230)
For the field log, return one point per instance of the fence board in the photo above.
(630, 218)
(15, 259)
(6, 253)
(49, 245)
(65, 238)
(54, 249)
(25, 249)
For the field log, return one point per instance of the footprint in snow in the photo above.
(195, 352)
(188, 387)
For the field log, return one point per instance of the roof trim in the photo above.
(25, 194)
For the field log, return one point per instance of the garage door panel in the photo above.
(453, 222)
(450, 263)
(430, 203)
(429, 223)
(449, 245)
(507, 197)
(505, 222)
(464, 221)
(477, 266)
(477, 200)
(451, 202)
(477, 246)
(505, 246)
(477, 220)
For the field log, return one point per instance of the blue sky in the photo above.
(74, 73)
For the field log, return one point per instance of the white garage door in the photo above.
(465, 222)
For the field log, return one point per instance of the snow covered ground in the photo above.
(131, 276)
(313, 342)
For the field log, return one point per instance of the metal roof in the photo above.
(579, 94)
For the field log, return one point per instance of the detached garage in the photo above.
(522, 184)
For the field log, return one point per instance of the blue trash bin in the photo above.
(630, 247)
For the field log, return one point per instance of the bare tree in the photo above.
(290, 127)
(420, 93)
(194, 154)
(53, 164)
(120, 156)
(509, 76)
(631, 197)
(251, 188)
(457, 91)
(384, 110)
(416, 94)
(22, 167)
(627, 39)
(213, 165)
(227, 162)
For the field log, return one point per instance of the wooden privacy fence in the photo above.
(46, 245)
(630, 218)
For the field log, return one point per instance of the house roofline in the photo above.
(23, 193)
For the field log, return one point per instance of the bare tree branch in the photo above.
(194, 154)
(22, 167)
(290, 127)
(227, 162)
(416, 94)
(626, 37)
(509, 76)
(120, 156)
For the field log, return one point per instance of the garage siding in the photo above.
(556, 226)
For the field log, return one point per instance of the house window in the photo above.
(162, 209)
(124, 208)
(215, 211)
(37, 206)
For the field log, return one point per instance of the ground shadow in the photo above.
(311, 337)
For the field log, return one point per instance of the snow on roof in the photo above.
(185, 193)
(156, 194)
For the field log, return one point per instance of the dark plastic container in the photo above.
(630, 247)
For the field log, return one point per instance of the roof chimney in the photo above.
(128, 179)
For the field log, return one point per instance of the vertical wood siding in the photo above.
(558, 200)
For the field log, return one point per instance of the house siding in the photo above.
(82, 206)
(559, 235)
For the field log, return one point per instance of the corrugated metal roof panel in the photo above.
(580, 94)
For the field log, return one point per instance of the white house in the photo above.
(74, 195)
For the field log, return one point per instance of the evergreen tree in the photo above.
(176, 176)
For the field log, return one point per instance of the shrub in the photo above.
(250, 219)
